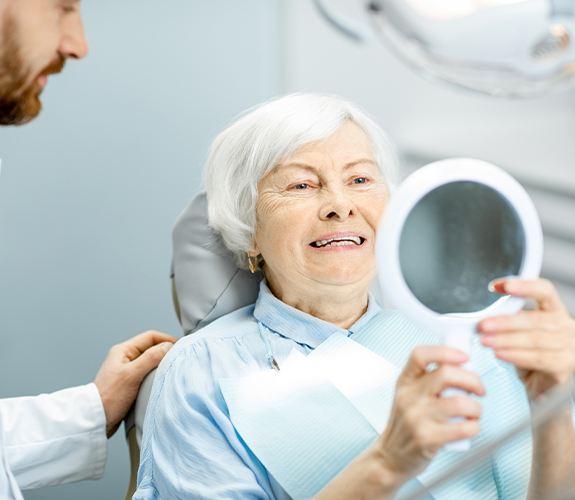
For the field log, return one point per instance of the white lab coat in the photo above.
(52, 439)
(9, 490)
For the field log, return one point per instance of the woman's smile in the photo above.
(339, 242)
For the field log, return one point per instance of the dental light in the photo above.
(508, 48)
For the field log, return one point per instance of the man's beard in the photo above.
(19, 100)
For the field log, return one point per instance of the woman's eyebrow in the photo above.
(360, 161)
(304, 166)
(307, 166)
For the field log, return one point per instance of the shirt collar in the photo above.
(299, 326)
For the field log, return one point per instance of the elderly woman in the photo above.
(261, 404)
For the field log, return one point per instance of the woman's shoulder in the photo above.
(230, 327)
(213, 346)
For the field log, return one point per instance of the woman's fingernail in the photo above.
(166, 346)
(487, 341)
(501, 355)
(486, 326)
(497, 286)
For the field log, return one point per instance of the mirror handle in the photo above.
(458, 339)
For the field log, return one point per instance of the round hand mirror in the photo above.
(450, 229)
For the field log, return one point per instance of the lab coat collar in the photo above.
(297, 325)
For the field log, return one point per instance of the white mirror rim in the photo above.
(412, 190)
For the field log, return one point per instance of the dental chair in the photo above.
(206, 284)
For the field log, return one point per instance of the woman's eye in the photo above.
(360, 180)
(301, 186)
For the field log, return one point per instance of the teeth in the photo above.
(338, 242)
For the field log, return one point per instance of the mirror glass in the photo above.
(455, 240)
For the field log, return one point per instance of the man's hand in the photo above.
(123, 371)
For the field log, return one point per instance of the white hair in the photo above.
(262, 138)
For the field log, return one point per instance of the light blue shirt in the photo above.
(190, 448)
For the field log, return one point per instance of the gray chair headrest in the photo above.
(207, 281)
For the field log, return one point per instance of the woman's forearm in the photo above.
(553, 467)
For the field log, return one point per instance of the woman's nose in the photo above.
(337, 206)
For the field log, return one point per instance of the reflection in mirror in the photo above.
(456, 239)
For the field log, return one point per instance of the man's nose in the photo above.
(337, 206)
(73, 44)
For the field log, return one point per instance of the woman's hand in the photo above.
(421, 421)
(419, 425)
(540, 343)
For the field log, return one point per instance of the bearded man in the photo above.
(59, 437)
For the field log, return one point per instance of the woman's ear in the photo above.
(253, 250)
(255, 259)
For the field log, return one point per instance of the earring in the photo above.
(253, 264)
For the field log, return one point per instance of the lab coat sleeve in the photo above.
(55, 438)
(9, 490)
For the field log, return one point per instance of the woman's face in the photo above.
(317, 213)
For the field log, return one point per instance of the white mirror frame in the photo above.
(456, 329)
(410, 192)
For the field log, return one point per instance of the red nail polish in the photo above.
(497, 287)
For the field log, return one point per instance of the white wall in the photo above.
(89, 192)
